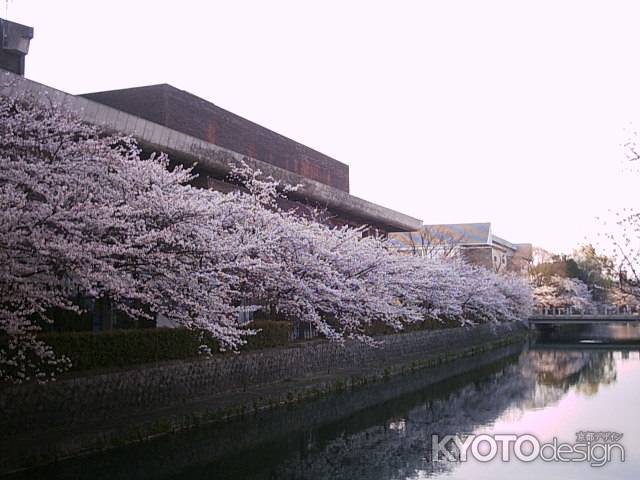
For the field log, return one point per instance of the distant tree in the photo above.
(540, 255)
(624, 297)
(555, 266)
(624, 234)
(592, 268)
(562, 292)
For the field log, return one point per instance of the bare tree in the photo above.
(435, 241)
(624, 233)
(540, 255)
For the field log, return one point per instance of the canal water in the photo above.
(579, 386)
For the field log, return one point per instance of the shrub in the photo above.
(379, 328)
(273, 334)
(123, 348)
(120, 348)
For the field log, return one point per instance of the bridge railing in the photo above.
(598, 310)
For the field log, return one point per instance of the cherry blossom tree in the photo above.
(453, 289)
(624, 298)
(562, 292)
(340, 282)
(331, 277)
(85, 215)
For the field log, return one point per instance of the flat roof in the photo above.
(187, 113)
(208, 156)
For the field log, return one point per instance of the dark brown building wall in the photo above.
(481, 255)
(194, 116)
(323, 215)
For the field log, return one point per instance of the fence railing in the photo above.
(598, 310)
(303, 331)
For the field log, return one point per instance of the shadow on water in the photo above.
(382, 431)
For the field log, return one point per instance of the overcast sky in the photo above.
(509, 112)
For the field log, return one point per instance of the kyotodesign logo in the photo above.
(595, 448)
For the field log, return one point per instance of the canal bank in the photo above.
(80, 415)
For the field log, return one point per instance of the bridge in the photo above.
(569, 316)
(584, 345)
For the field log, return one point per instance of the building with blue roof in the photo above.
(474, 242)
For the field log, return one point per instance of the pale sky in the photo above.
(511, 112)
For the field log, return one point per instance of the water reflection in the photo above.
(584, 370)
(556, 372)
(384, 432)
(586, 378)
(401, 447)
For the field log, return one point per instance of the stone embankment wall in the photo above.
(92, 398)
(95, 409)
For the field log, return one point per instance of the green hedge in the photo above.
(122, 348)
(273, 334)
(127, 347)
(378, 328)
